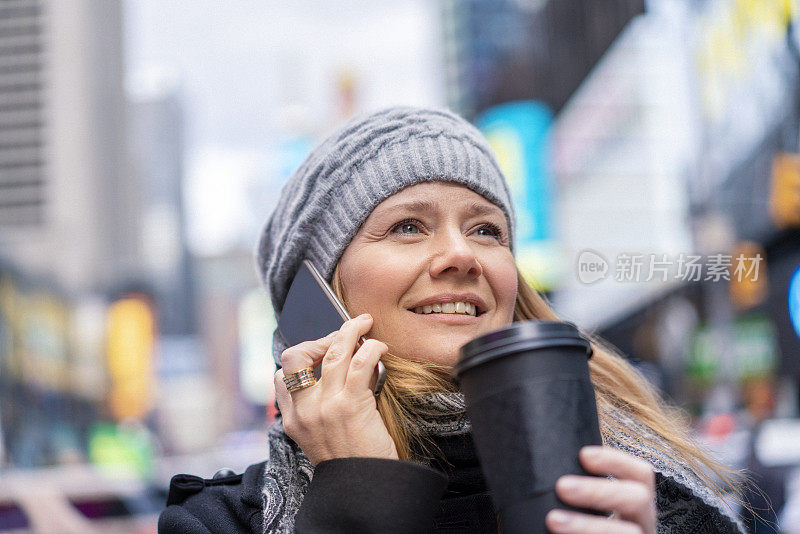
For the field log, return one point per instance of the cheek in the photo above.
(370, 283)
(504, 285)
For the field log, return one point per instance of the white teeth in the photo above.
(463, 308)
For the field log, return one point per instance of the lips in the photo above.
(451, 319)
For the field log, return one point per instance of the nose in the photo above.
(454, 255)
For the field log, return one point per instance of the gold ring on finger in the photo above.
(302, 379)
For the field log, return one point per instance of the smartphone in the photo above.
(312, 311)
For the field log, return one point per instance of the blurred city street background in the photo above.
(651, 146)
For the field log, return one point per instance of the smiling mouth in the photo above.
(452, 308)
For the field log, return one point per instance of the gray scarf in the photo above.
(685, 503)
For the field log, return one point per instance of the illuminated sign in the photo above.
(256, 367)
(519, 133)
(794, 301)
(130, 344)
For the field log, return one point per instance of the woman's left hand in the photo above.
(630, 495)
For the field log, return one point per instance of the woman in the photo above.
(407, 214)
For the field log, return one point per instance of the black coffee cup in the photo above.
(532, 408)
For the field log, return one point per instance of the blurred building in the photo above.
(659, 152)
(624, 147)
(67, 207)
(502, 51)
(184, 416)
(512, 66)
(95, 283)
(66, 219)
(671, 145)
(48, 396)
(682, 145)
(157, 158)
(226, 316)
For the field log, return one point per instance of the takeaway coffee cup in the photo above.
(532, 408)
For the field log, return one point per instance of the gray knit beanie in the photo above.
(370, 158)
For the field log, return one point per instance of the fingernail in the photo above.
(559, 517)
(365, 316)
(568, 483)
(591, 451)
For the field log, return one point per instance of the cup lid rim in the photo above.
(527, 333)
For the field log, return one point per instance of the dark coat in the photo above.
(352, 495)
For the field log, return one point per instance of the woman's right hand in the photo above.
(338, 416)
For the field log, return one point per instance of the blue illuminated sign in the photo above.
(519, 133)
(794, 301)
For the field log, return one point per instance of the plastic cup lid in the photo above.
(521, 335)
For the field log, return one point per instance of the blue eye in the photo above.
(493, 230)
(409, 226)
(412, 226)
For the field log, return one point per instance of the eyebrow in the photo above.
(427, 206)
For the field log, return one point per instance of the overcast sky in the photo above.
(239, 64)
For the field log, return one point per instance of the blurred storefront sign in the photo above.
(124, 449)
(794, 300)
(755, 351)
(88, 370)
(621, 149)
(519, 133)
(11, 347)
(733, 34)
(187, 399)
(256, 366)
(749, 289)
(745, 77)
(188, 413)
(777, 442)
(45, 330)
(7, 360)
(784, 194)
(130, 346)
(46, 400)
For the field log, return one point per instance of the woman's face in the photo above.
(432, 246)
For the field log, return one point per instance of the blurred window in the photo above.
(101, 508)
(12, 517)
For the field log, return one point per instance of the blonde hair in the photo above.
(618, 386)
